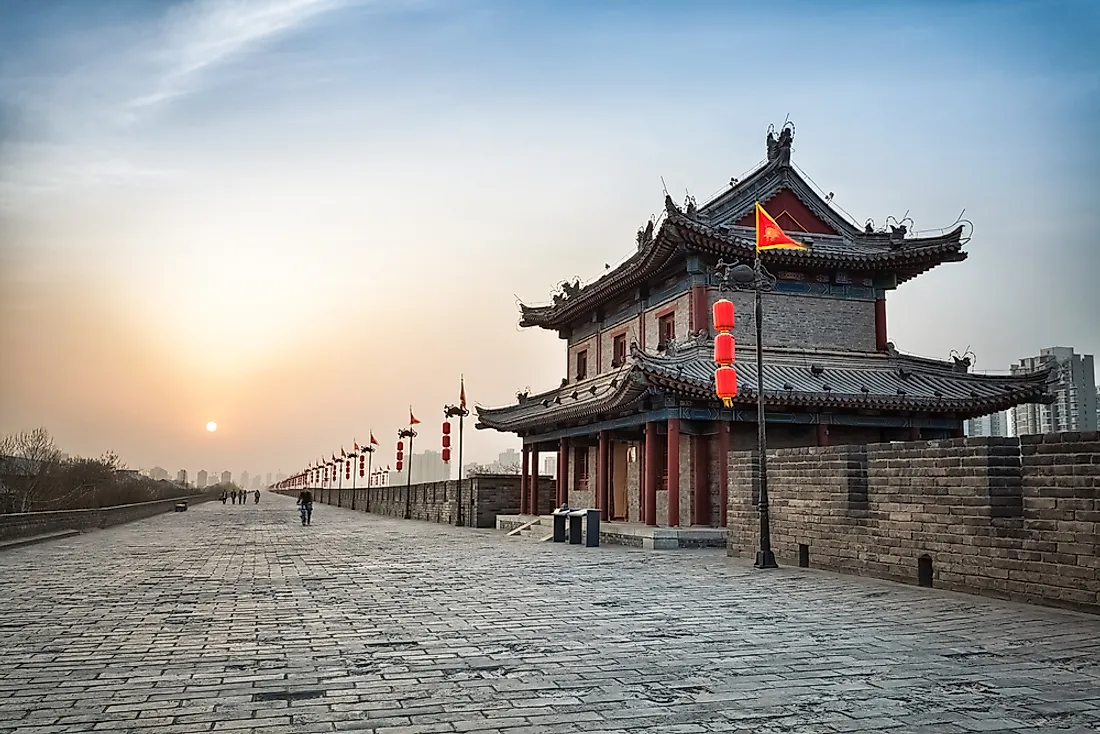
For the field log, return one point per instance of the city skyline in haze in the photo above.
(295, 218)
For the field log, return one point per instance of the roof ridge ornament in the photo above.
(779, 148)
(566, 290)
(645, 235)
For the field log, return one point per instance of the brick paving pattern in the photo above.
(236, 618)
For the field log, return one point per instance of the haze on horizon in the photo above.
(298, 217)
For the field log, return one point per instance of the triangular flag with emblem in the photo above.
(355, 450)
(462, 392)
(769, 236)
(412, 418)
(373, 440)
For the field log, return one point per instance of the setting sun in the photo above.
(211, 426)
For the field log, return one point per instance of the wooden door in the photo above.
(618, 480)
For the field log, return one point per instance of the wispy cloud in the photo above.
(117, 79)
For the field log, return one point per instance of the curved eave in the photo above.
(913, 257)
(613, 391)
(630, 274)
(998, 392)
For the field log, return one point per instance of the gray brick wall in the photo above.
(485, 496)
(817, 322)
(26, 524)
(1006, 517)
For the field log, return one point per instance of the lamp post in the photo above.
(450, 411)
(410, 434)
(742, 277)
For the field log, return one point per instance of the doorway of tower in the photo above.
(619, 502)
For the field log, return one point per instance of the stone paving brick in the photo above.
(236, 618)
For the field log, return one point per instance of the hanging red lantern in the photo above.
(446, 427)
(723, 315)
(723, 349)
(399, 464)
(446, 442)
(400, 455)
(725, 384)
(400, 446)
(446, 452)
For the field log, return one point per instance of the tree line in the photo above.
(35, 475)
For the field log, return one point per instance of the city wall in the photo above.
(1014, 518)
(482, 497)
(17, 525)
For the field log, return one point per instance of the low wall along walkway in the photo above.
(1015, 518)
(483, 497)
(18, 525)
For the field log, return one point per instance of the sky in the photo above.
(297, 218)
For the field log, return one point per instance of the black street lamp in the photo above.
(410, 434)
(450, 411)
(741, 277)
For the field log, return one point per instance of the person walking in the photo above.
(305, 506)
(225, 496)
(257, 501)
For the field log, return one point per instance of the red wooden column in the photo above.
(880, 324)
(673, 472)
(723, 471)
(822, 434)
(652, 462)
(563, 471)
(601, 476)
(533, 497)
(524, 480)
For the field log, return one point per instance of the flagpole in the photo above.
(460, 410)
(765, 558)
(340, 484)
(353, 468)
(370, 459)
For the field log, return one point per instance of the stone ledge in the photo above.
(33, 539)
(633, 534)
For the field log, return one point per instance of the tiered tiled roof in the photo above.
(714, 230)
(793, 378)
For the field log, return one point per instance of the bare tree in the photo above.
(31, 461)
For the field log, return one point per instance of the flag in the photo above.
(768, 234)
(462, 392)
(355, 450)
(342, 452)
(373, 440)
(412, 418)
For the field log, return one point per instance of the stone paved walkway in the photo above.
(237, 618)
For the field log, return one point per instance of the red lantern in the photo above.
(725, 384)
(400, 446)
(723, 349)
(446, 442)
(723, 315)
(399, 464)
(446, 452)
(400, 455)
(446, 427)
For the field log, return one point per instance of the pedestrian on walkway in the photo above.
(257, 497)
(234, 495)
(305, 506)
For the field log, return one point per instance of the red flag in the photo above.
(769, 236)
(342, 452)
(412, 418)
(462, 393)
(356, 449)
(373, 440)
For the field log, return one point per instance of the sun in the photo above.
(211, 426)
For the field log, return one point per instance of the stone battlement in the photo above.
(1016, 518)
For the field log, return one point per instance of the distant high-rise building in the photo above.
(158, 473)
(427, 466)
(200, 479)
(1074, 389)
(181, 476)
(269, 482)
(227, 477)
(994, 424)
(509, 458)
(244, 480)
(550, 466)
(280, 477)
(257, 482)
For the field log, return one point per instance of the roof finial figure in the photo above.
(780, 147)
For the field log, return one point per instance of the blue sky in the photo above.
(213, 202)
